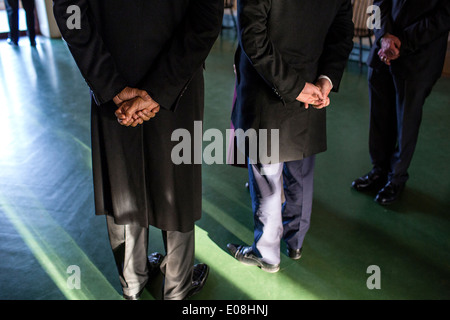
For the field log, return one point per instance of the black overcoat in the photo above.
(283, 45)
(159, 46)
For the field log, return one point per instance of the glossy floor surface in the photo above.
(48, 226)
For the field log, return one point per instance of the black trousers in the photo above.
(12, 8)
(395, 116)
(130, 248)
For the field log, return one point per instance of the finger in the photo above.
(117, 100)
(143, 116)
(132, 110)
(151, 113)
(381, 53)
(119, 114)
(319, 105)
(131, 93)
(122, 96)
(318, 93)
(124, 123)
(392, 52)
(127, 94)
(144, 95)
(322, 104)
(137, 122)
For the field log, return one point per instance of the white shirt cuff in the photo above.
(325, 77)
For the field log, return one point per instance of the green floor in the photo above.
(46, 202)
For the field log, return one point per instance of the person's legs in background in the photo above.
(12, 9)
(29, 8)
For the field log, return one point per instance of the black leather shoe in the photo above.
(136, 296)
(246, 256)
(200, 274)
(374, 180)
(12, 42)
(295, 254)
(390, 193)
(153, 262)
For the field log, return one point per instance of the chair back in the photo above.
(360, 17)
(228, 4)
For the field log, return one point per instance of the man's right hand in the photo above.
(311, 94)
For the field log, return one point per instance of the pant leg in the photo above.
(298, 179)
(411, 95)
(178, 264)
(265, 182)
(12, 9)
(383, 119)
(130, 246)
(29, 7)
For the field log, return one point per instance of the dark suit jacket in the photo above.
(159, 46)
(422, 26)
(282, 45)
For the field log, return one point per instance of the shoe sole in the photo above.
(251, 262)
(385, 203)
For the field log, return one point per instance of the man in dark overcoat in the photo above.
(291, 54)
(143, 58)
(404, 64)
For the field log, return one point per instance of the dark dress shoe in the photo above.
(295, 254)
(200, 274)
(136, 296)
(153, 262)
(12, 42)
(374, 180)
(246, 256)
(390, 193)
